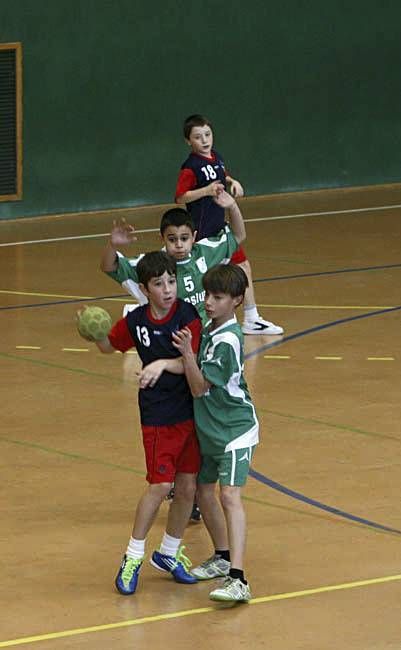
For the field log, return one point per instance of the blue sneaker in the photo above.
(178, 566)
(127, 577)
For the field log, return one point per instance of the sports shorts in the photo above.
(170, 449)
(229, 467)
(239, 256)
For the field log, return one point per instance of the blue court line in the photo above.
(64, 302)
(297, 495)
(317, 504)
(318, 273)
(317, 328)
(270, 279)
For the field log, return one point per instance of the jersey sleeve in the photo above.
(220, 364)
(186, 182)
(126, 269)
(218, 249)
(120, 337)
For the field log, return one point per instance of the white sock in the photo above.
(250, 314)
(169, 545)
(136, 548)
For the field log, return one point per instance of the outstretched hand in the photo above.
(224, 199)
(122, 233)
(182, 340)
(236, 189)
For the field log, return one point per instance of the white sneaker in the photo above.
(129, 307)
(214, 567)
(261, 326)
(232, 590)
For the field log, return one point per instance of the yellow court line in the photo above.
(363, 307)
(329, 358)
(381, 358)
(193, 612)
(75, 349)
(276, 356)
(28, 347)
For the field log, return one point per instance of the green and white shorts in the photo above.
(229, 467)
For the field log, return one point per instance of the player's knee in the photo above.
(185, 487)
(230, 497)
(159, 490)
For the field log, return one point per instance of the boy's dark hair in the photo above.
(195, 120)
(176, 217)
(153, 265)
(225, 278)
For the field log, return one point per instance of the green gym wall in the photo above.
(302, 95)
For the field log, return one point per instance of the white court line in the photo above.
(47, 241)
(286, 216)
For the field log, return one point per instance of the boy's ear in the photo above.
(188, 142)
(238, 300)
(143, 289)
(195, 234)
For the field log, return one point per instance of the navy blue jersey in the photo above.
(169, 401)
(208, 217)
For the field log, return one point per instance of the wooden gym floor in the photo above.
(323, 500)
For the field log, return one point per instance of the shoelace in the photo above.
(130, 567)
(182, 559)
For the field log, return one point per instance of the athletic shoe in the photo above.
(195, 514)
(127, 577)
(178, 566)
(232, 590)
(261, 326)
(214, 567)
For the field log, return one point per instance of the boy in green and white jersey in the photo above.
(226, 425)
(178, 235)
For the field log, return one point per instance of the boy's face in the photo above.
(161, 292)
(220, 307)
(201, 140)
(178, 241)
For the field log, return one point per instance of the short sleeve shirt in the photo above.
(169, 401)
(207, 216)
(225, 416)
(204, 255)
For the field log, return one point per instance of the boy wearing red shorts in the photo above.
(166, 410)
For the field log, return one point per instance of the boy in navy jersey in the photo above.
(203, 176)
(166, 411)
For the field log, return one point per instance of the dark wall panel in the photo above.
(303, 95)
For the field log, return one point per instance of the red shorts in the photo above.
(239, 256)
(170, 449)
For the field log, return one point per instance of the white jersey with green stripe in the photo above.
(225, 416)
(205, 254)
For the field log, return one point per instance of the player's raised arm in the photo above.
(121, 234)
(225, 200)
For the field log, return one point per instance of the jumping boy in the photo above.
(166, 412)
(202, 177)
(178, 235)
(226, 425)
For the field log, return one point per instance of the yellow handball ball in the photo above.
(94, 323)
